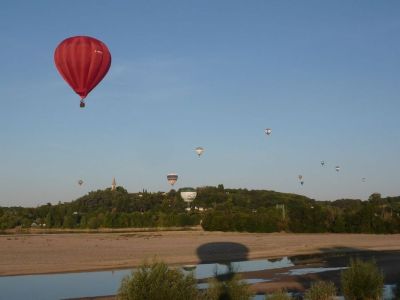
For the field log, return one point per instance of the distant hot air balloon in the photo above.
(80, 181)
(322, 163)
(188, 194)
(300, 177)
(337, 168)
(83, 62)
(301, 182)
(363, 179)
(172, 178)
(268, 131)
(199, 151)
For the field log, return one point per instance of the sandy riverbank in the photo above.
(58, 253)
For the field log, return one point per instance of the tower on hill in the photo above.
(113, 185)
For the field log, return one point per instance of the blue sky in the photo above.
(324, 75)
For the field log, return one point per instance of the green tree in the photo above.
(362, 281)
(49, 220)
(156, 281)
(93, 223)
(233, 288)
(321, 290)
(279, 295)
(68, 222)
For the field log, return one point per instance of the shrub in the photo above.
(321, 290)
(362, 280)
(157, 282)
(279, 295)
(396, 287)
(232, 289)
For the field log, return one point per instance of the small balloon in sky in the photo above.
(83, 62)
(80, 181)
(172, 178)
(199, 151)
(268, 131)
(337, 168)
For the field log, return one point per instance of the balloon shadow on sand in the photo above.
(222, 252)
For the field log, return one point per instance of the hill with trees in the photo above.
(215, 208)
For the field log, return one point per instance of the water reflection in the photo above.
(205, 285)
(209, 270)
(304, 271)
(387, 293)
(89, 284)
(61, 286)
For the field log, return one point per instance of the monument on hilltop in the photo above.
(113, 185)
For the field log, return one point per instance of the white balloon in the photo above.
(188, 194)
(172, 178)
(199, 151)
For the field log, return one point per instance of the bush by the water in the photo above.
(279, 295)
(321, 290)
(362, 280)
(156, 281)
(396, 292)
(233, 288)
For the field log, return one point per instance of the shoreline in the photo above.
(34, 254)
(305, 254)
(32, 231)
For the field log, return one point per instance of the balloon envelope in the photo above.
(80, 182)
(199, 151)
(337, 168)
(172, 178)
(188, 194)
(268, 131)
(83, 62)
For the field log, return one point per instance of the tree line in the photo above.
(215, 208)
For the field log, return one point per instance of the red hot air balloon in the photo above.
(83, 62)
